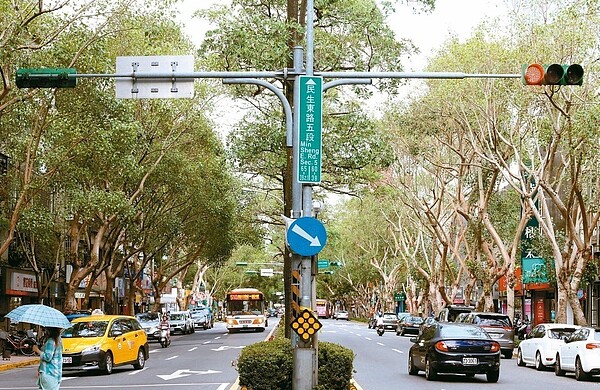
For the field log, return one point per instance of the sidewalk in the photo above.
(18, 361)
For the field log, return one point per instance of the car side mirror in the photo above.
(413, 339)
(116, 333)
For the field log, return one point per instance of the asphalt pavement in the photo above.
(16, 361)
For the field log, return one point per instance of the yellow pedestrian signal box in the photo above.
(306, 325)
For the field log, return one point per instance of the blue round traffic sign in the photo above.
(306, 236)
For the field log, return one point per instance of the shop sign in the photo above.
(22, 283)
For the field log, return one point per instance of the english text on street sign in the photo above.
(310, 129)
(306, 236)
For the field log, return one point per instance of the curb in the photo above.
(22, 363)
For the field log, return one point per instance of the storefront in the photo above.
(18, 287)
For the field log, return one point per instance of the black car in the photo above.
(453, 348)
(408, 324)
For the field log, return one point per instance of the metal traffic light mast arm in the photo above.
(37, 74)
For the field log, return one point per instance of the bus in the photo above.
(324, 308)
(245, 309)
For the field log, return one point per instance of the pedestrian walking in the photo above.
(50, 369)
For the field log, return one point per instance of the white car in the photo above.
(580, 354)
(181, 322)
(342, 315)
(542, 343)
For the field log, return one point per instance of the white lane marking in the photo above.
(154, 350)
(223, 386)
(218, 337)
(192, 349)
(172, 357)
(206, 342)
(368, 338)
(397, 350)
(137, 371)
(382, 344)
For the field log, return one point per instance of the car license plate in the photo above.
(67, 359)
(470, 361)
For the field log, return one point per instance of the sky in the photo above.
(427, 30)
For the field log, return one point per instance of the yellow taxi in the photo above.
(104, 342)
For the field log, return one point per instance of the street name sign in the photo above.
(306, 236)
(322, 264)
(310, 129)
(268, 272)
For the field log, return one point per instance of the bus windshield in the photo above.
(245, 307)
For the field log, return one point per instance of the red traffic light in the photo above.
(533, 74)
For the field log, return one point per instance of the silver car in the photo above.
(149, 321)
(498, 326)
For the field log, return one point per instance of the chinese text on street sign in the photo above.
(310, 129)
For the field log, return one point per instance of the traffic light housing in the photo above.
(46, 78)
(553, 74)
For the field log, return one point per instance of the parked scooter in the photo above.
(380, 330)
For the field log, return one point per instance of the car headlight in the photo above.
(92, 349)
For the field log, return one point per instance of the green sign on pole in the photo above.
(46, 78)
(310, 129)
(322, 264)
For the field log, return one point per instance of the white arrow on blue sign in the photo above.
(306, 236)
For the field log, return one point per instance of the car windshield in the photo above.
(200, 313)
(388, 316)
(483, 320)
(147, 317)
(86, 329)
(178, 316)
(414, 320)
(458, 332)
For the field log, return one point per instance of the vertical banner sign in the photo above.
(310, 129)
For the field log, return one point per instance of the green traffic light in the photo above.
(46, 78)
(573, 74)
